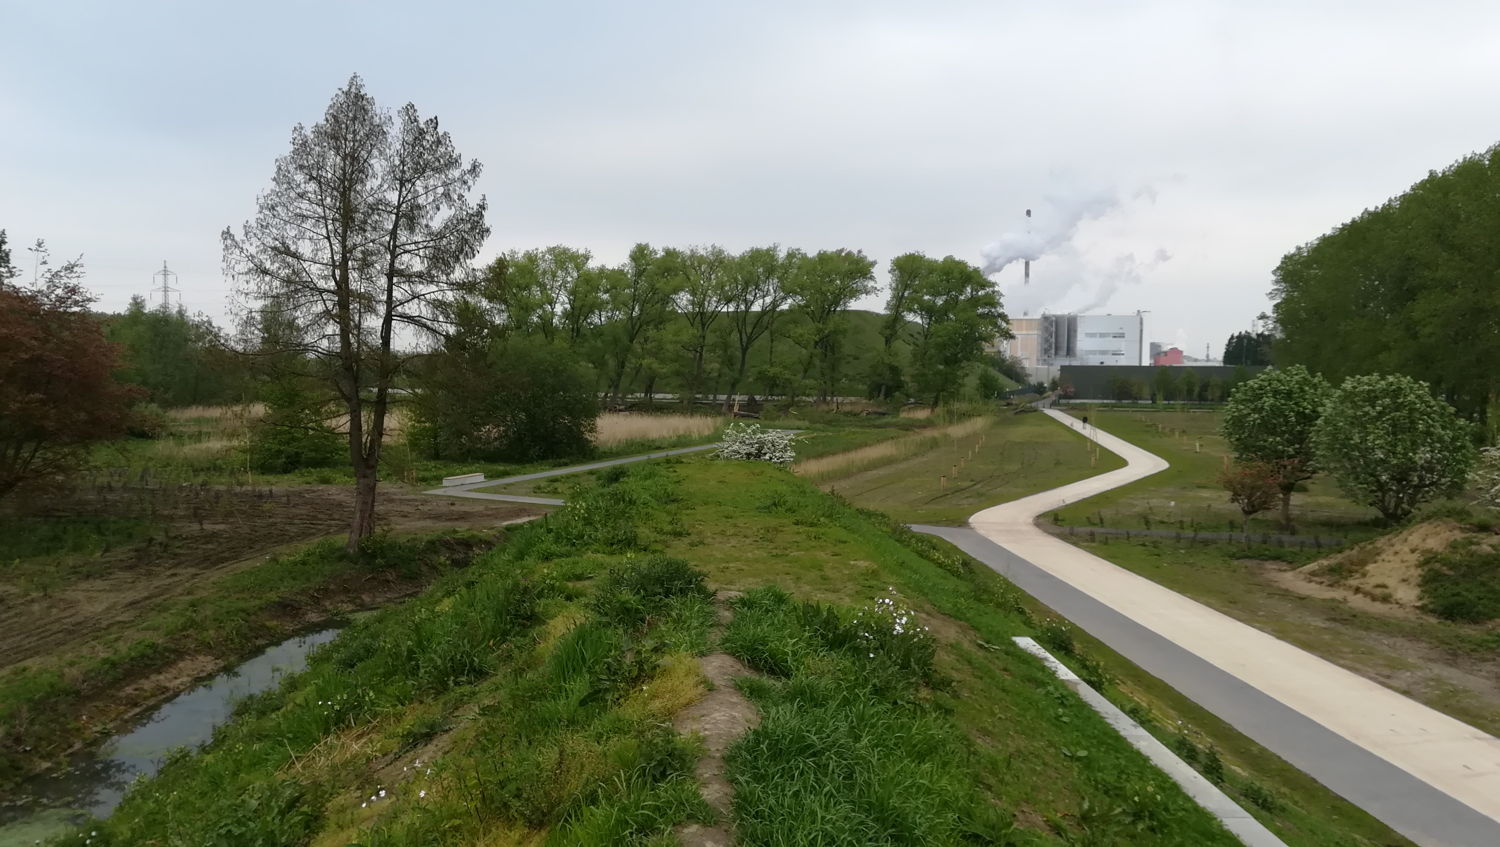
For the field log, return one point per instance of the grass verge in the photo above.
(996, 459)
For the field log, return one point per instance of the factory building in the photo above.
(1046, 343)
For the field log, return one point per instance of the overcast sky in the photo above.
(1205, 139)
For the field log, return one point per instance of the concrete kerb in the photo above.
(1231, 814)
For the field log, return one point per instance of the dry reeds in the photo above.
(864, 458)
(620, 427)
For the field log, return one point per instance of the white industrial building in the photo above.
(1047, 343)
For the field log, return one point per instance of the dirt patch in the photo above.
(1299, 582)
(719, 718)
(1382, 576)
(195, 549)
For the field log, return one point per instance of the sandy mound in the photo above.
(1387, 569)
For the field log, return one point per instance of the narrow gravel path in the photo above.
(1430, 777)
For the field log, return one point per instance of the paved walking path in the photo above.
(1430, 777)
(467, 489)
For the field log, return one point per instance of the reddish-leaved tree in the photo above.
(1253, 486)
(58, 393)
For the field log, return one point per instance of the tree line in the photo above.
(1408, 287)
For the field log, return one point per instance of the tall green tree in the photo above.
(1270, 420)
(887, 377)
(552, 292)
(956, 311)
(1248, 348)
(366, 230)
(822, 287)
(1411, 287)
(1391, 444)
(756, 295)
(707, 279)
(638, 301)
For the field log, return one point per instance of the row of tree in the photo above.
(1385, 438)
(1409, 287)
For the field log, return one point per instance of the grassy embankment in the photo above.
(64, 700)
(998, 459)
(822, 433)
(1452, 667)
(524, 700)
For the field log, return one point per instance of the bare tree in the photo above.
(366, 230)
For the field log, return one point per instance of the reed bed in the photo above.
(617, 428)
(852, 462)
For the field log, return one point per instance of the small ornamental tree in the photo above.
(1270, 420)
(1253, 486)
(58, 393)
(1391, 444)
(753, 442)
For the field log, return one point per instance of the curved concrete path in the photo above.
(1430, 777)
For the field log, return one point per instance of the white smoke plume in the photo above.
(1125, 270)
(1053, 225)
(1069, 279)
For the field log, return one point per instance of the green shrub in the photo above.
(1462, 583)
(147, 420)
(516, 400)
(640, 589)
(294, 433)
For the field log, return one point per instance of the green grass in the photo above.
(1462, 583)
(535, 686)
(749, 526)
(1187, 495)
(42, 701)
(1021, 454)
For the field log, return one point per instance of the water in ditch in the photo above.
(93, 784)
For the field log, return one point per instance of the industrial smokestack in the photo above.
(1026, 279)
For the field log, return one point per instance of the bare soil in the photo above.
(1381, 576)
(719, 719)
(201, 544)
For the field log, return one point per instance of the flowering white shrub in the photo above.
(754, 443)
(1391, 444)
(889, 629)
(1486, 477)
